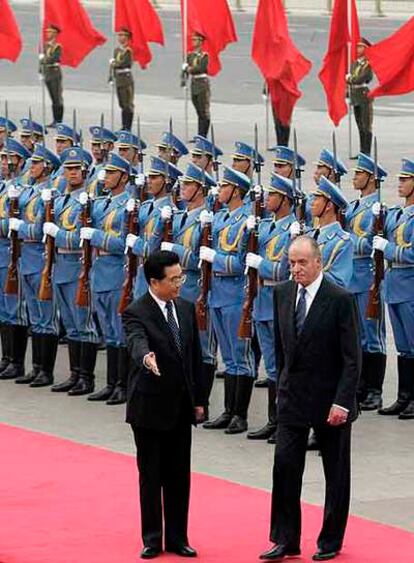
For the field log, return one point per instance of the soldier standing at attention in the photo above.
(51, 72)
(358, 80)
(196, 66)
(120, 73)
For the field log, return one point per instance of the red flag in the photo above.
(78, 36)
(336, 62)
(10, 39)
(140, 18)
(215, 24)
(392, 60)
(281, 63)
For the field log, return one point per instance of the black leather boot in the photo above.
(408, 412)
(270, 427)
(404, 389)
(238, 423)
(111, 375)
(118, 396)
(36, 361)
(5, 347)
(74, 349)
(222, 421)
(45, 377)
(373, 400)
(18, 345)
(208, 380)
(86, 380)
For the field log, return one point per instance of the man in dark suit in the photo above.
(319, 359)
(164, 394)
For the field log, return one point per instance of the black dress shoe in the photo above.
(118, 396)
(408, 412)
(150, 552)
(102, 395)
(395, 409)
(218, 423)
(237, 425)
(324, 555)
(278, 552)
(83, 386)
(182, 550)
(66, 385)
(372, 402)
(43, 379)
(272, 439)
(263, 434)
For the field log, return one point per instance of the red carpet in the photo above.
(62, 502)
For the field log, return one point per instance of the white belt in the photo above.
(269, 283)
(397, 266)
(359, 86)
(53, 65)
(200, 76)
(67, 251)
(122, 70)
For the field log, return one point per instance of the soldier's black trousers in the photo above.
(363, 117)
(200, 96)
(54, 87)
(282, 131)
(289, 464)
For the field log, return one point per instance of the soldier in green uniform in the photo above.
(358, 79)
(196, 66)
(120, 73)
(51, 71)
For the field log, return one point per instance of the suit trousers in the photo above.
(164, 464)
(289, 464)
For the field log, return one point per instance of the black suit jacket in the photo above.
(153, 401)
(321, 366)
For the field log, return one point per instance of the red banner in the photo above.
(10, 38)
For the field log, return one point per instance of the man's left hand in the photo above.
(199, 414)
(337, 416)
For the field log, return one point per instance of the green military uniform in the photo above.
(360, 75)
(52, 75)
(200, 88)
(122, 75)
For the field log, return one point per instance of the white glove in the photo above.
(257, 190)
(130, 205)
(86, 233)
(167, 246)
(83, 198)
(40, 76)
(46, 195)
(166, 213)
(347, 77)
(251, 222)
(111, 61)
(50, 229)
(207, 254)
(379, 243)
(101, 175)
(294, 229)
(214, 191)
(253, 260)
(41, 57)
(184, 67)
(13, 192)
(130, 240)
(14, 224)
(376, 208)
(206, 217)
(140, 180)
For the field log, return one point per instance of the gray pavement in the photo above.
(383, 449)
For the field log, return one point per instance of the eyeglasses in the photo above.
(178, 280)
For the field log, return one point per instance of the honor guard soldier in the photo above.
(65, 138)
(272, 265)
(77, 321)
(13, 321)
(398, 249)
(30, 133)
(359, 222)
(187, 231)
(107, 236)
(129, 147)
(204, 153)
(51, 72)
(161, 176)
(7, 127)
(358, 79)
(171, 148)
(197, 66)
(328, 166)
(226, 301)
(102, 143)
(42, 314)
(120, 74)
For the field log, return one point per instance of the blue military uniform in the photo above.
(78, 321)
(127, 140)
(13, 319)
(95, 181)
(149, 222)
(203, 146)
(399, 296)
(226, 303)
(359, 221)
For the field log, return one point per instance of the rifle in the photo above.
(337, 178)
(373, 310)
(299, 196)
(83, 293)
(104, 152)
(132, 262)
(11, 286)
(167, 235)
(46, 288)
(246, 324)
(216, 164)
(142, 193)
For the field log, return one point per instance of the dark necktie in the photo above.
(173, 326)
(300, 312)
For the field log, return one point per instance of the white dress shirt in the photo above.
(163, 306)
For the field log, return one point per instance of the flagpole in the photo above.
(349, 13)
(184, 47)
(42, 48)
(112, 71)
(267, 116)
